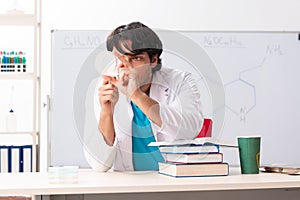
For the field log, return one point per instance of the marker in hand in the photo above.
(113, 75)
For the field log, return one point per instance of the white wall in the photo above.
(220, 15)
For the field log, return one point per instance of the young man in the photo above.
(162, 104)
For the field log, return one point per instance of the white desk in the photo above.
(140, 182)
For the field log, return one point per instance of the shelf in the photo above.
(24, 21)
(16, 76)
(18, 132)
(17, 20)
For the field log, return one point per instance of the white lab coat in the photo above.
(180, 111)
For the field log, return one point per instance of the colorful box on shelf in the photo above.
(12, 61)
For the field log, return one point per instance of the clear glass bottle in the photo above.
(11, 121)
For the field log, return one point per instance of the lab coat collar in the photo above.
(159, 84)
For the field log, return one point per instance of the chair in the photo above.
(206, 128)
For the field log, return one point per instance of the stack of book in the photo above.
(192, 158)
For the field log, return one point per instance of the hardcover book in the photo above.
(189, 149)
(196, 141)
(193, 169)
(194, 157)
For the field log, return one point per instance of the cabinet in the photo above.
(27, 81)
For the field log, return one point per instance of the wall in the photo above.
(254, 15)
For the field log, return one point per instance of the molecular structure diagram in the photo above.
(247, 91)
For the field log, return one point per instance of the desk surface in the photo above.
(133, 182)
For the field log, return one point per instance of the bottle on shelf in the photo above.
(13, 61)
(11, 117)
(11, 121)
(15, 8)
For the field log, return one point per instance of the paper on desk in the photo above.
(292, 169)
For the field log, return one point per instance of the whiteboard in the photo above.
(257, 72)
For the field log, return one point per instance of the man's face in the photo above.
(133, 60)
(139, 62)
(130, 60)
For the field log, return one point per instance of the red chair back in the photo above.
(206, 128)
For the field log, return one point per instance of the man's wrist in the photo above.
(106, 111)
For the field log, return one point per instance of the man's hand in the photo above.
(132, 80)
(128, 81)
(108, 93)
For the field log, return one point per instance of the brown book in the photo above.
(193, 169)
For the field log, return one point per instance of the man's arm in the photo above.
(108, 97)
(149, 106)
(106, 126)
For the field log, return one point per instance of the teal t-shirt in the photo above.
(144, 157)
